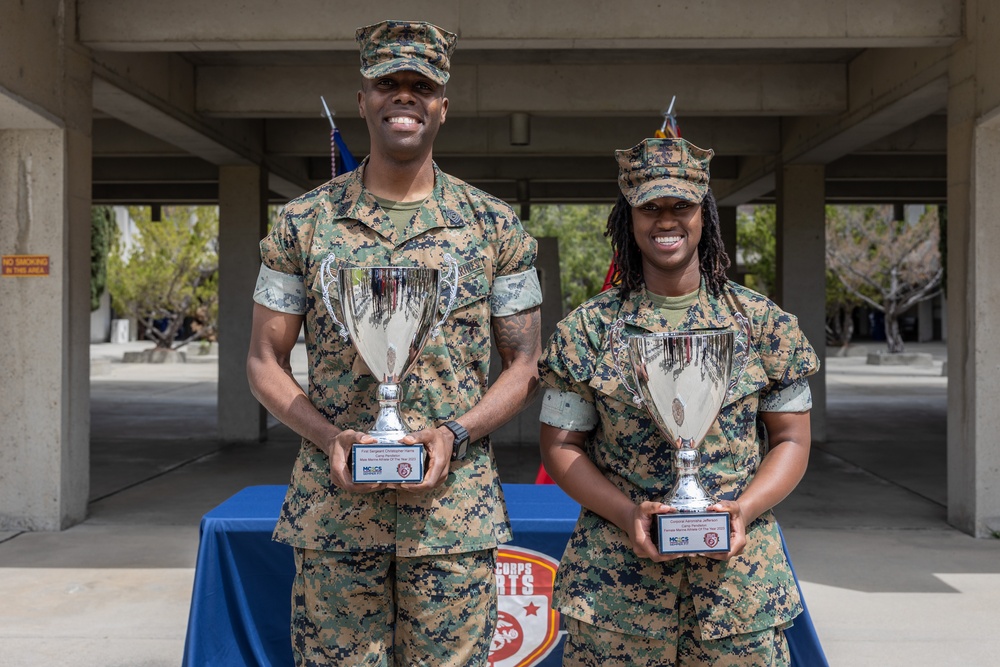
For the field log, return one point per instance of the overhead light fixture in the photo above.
(520, 129)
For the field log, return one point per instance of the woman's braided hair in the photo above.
(628, 259)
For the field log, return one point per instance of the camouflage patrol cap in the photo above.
(663, 168)
(395, 46)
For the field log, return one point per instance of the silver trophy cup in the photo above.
(682, 379)
(389, 312)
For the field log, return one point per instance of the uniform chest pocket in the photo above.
(738, 418)
(466, 331)
(751, 379)
(607, 380)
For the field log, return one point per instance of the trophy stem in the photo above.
(688, 494)
(389, 426)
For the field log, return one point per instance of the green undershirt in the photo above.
(674, 307)
(400, 212)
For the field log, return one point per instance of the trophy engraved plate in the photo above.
(692, 532)
(384, 463)
(682, 378)
(389, 312)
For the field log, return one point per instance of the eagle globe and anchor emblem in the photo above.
(527, 625)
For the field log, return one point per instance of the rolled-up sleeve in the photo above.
(795, 397)
(568, 411)
(565, 369)
(515, 293)
(516, 287)
(282, 292)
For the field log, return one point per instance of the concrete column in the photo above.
(45, 180)
(800, 283)
(523, 429)
(974, 275)
(242, 223)
(727, 221)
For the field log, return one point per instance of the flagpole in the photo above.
(333, 138)
(666, 116)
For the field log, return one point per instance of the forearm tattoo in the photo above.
(518, 335)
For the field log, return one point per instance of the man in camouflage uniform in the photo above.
(397, 574)
(624, 602)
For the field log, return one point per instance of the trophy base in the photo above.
(382, 463)
(692, 533)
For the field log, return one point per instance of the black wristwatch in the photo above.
(461, 444)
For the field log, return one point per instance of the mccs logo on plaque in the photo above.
(527, 625)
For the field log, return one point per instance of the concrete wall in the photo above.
(45, 179)
(584, 24)
(801, 274)
(44, 434)
(974, 274)
(242, 223)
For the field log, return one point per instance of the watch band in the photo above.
(461, 445)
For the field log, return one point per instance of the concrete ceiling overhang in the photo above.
(183, 88)
(16, 113)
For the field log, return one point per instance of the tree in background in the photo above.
(755, 230)
(756, 247)
(102, 236)
(273, 216)
(584, 251)
(168, 279)
(890, 265)
(840, 306)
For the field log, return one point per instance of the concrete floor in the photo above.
(887, 581)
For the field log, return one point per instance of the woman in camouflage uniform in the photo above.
(625, 604)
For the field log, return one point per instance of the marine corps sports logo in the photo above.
(711, 539)
(404, 469)
(527, 625)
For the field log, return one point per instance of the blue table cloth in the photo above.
(241, 603)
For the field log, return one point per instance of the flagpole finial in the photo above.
(669, 127)
(329, 114)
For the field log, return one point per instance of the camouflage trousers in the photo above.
(373, 609)
(590, 646)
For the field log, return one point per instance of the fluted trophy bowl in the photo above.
(389, 313)
(682, 379)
